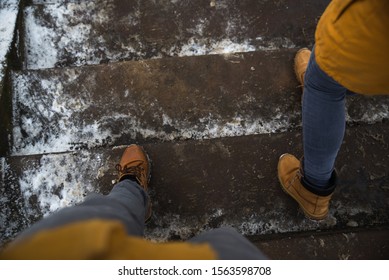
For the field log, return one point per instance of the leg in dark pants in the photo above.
(323, 123)
(126, 202)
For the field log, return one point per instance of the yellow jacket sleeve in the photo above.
(352, 44)
(100, 239)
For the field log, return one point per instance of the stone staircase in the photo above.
(207, 87)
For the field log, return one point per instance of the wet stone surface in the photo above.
(350, 245)
(74, 33)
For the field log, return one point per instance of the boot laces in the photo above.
(133, 168)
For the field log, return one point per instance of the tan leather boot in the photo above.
(301, 63)
(135, 164)
(290, 175)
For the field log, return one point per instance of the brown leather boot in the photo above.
(301, 63)
(290, 174)
(135, 164)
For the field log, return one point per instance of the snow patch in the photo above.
(47, 42)
(8, 15)
(49, 119)
(92, 135)
(201, 47)
(12, 218)
(44, 53)
(204, 46)
(76, 34)
(55, 111)
(173, 225)
(3, 169)
(57, 182)
(372, 113)
(170, 226)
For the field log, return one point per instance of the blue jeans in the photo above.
(127, 202)
(324, 123)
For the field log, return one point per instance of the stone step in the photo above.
(8, 14)
(197, 185)
(371, 244)
(61, 33)
(204, 97)
(9, 10)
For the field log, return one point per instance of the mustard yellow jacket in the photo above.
(100, 239)
(352, 44)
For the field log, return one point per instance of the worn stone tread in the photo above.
(197, 185)
(74, 33)
(59, 110)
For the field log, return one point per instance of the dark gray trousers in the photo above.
(127, 203)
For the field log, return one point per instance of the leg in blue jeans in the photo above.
(323, 123)
(127, 203)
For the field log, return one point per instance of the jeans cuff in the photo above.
(321, 191)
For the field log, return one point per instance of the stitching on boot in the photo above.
(314, 210)
(298, 174)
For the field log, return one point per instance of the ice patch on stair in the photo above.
(8, 14)
(76, 34)
(12, 218)
(43, 54)
(214, 126)
(51, 112)
(202, 47)
(3, 168)
(65, 118)
(54, 121)
(71, 136)
(172, 226)
(57, 181)
(372, 113)
(47, 41)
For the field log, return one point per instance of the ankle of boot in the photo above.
(129, 177)
(321, 191)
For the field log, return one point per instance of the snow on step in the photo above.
(189, 194)
(8, 14)
(13, 217)
(57, 110)
(73, 33)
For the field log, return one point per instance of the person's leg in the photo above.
(229, 244)
(323, 123)
(127, 202)
(312, 182)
